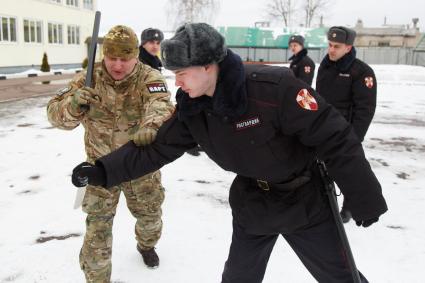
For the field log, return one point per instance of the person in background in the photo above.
(150, 47)
(302, 65)
(127, 101)
(268, 127)
(349, 84)
(149, 50)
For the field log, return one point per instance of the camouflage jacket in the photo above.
(140, 100)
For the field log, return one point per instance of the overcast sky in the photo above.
(141, 14)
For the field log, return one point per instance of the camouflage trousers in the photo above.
(144, 198)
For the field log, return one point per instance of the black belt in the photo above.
(289, 185)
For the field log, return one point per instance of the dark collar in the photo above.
(343, 64)
(146, 58)
(297, 57)
(230, 96)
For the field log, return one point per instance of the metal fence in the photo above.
(370, 55)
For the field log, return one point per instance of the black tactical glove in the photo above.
(367, 223)
(86, 173)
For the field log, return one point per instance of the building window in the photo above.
(73, 35)
(383, 43)
(55, 33)
(88, 4)
(72, 3)
(32, 31)
(7, 29)
(56, 1)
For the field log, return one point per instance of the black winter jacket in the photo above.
(148, 59)
(302, 66)
(350, 85)
(261, 123)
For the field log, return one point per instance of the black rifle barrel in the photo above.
(330, 191)
(92, 50)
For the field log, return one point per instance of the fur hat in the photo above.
(193, 44)
(151, 34)
(122, 42)
(341, 35)
(296, 38)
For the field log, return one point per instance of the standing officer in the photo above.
(301, 64)
(348, 84)
(266, 126)
(128, 101)
(149, 48)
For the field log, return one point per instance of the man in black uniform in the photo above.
(267, 126)
(301, 64)
(149, 48)
(348, 84)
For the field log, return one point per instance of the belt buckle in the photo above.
(264, 185)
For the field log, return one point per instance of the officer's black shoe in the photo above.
(345, 215)
(150, 257)
(194, 151)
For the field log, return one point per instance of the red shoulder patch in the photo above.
(368, 82)
(306, 100)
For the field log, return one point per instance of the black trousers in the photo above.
(318, 247)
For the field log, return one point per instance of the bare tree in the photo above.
(313, 8)
(183, 11)
(281, 10)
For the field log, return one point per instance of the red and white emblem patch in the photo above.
(306, 100)
(307, 69)
(368, 82)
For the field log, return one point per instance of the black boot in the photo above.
(150, 257)
(345, 215)
(194, 151)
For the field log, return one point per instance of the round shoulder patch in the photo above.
(368, 82)
(64, 90)
(306, 100)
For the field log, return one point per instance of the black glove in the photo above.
(367, 223)
(86, 173)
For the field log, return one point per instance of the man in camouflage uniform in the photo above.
(127, 101)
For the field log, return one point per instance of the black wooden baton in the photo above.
(92, 50)
(92, 55)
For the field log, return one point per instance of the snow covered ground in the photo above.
(40, 233)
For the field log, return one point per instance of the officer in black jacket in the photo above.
(266, 126)
(301, 64)
(348, 84)
(150, 46)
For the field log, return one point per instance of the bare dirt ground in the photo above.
(16, 89)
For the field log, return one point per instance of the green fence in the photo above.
(256, 37)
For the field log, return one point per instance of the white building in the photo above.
(28, 28)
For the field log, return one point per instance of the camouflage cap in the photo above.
(122, 42)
